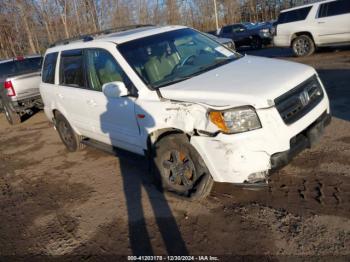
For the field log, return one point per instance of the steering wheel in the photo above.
(184, 62)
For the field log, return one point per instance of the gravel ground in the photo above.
(94, 205)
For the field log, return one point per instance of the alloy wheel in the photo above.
(180, 171)
(66, 134)
(302, 47)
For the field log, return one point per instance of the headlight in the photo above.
(264, 32)
(235, 120)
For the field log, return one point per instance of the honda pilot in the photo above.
(199, 111)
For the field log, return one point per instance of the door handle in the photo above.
(60, 96)
(321, 22)
(91, 102)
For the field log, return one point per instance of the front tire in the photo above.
(178, 168)
(11, 116)
(256, 43)
(303, 45)
(70, 139)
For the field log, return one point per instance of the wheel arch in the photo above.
(158, 134)
(57, 111)
(295, 35)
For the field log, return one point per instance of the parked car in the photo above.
(307, 27)
(19, 86)
(201, 112)
(252, 36)
(224, 41)
(212, 32)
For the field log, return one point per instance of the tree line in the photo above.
(30, 26)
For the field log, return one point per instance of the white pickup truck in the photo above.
(19, 87)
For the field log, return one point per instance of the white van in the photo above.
(304, 28)
(199, 110)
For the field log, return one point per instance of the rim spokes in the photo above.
(188, 166)
(175, 156)
(167, 164)
(66, 134)
(180, 169)
(185, 181)
(302, 47)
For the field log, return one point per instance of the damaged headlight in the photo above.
(235, 120)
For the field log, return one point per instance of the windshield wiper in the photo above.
(176, 80)
(204, 69)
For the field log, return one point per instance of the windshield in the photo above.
(171, 57)
(23, 66)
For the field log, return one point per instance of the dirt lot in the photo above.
(96, 205)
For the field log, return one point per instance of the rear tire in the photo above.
(303, 45)
(70, 139)
(11, 116)
(1, 106)
(178, 168)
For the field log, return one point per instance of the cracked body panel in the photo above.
(229, 157)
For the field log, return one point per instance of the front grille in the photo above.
(296, 103)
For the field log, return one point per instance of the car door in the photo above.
(48, 85)
(72, 94)
(227, 32)
(113, 119)
(240, 35)
(333, 22)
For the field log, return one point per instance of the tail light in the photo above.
(274, 30)
(10, 91)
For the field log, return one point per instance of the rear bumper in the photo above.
(27, 103)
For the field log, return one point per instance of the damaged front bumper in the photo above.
(305, 139)
(249, 157)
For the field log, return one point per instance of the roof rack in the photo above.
(90, 37)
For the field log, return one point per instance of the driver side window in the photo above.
(227, 29)
(102, 68)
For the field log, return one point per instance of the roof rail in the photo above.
(90, 37)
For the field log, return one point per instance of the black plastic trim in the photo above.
(300, 142)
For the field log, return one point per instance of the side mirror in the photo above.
(115, 89)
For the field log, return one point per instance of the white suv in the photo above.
(307, 27)
(202, 112)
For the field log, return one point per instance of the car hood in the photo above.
(250, 80)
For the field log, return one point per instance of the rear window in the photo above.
(18, 67)
(48, 74)
(294, 15)
(227, 29)
(334, 8)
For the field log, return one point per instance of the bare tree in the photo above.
(29, 26)
(63, 6)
